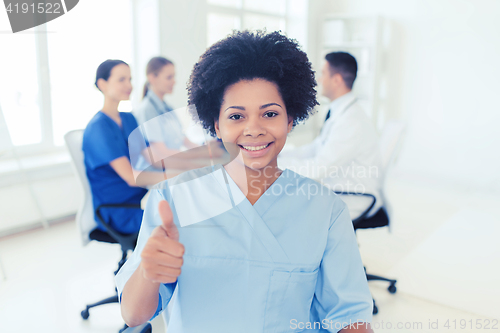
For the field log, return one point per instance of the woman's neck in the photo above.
(157, 93)
(253, 183)
(110, 108)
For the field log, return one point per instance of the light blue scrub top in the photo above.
(288, 261)
(152, 107)
(157, 123)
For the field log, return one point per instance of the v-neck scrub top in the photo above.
(275, 266)
(103, 142)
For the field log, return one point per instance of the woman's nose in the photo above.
(254, 128)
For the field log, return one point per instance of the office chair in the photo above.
(390, 142)
(88, 226)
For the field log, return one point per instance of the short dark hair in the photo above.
(104, 69)
(247, 55)
(344, 64)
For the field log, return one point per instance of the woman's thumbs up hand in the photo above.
(162, 255)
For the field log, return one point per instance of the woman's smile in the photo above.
(256, 151)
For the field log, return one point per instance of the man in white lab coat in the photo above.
(345, 156)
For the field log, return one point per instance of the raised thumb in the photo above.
(167, 219)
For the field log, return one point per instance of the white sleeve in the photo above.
(338, 148)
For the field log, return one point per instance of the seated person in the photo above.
(160, 125)
(244, 244)
(345, 156)
(106, 151)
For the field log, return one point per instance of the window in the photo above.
(74, 97)
(226, 3)
(255, 21)
(48, 72)
(220, 25)
(275, 7)
(289, 16)
(19, 94)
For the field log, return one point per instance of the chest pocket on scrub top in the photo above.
(289, 298)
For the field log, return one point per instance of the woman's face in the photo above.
(118, 86)
(253, 116)
(164, 82)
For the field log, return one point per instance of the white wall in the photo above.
(57, 196)
(146, 18)
(445, 68)
(183, 40)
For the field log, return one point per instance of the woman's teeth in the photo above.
(254, 148)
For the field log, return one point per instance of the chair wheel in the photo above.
(392, 289)
(375, 309)
(85, 314)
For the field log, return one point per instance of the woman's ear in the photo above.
(101, 84)
(151, 78)
(290, 123)
(217, 130)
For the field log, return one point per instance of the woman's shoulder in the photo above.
(98, 117)
(98, 129)
(299, 180)
(144, 104)
(129, 116)
(315, 193)
(98, 121)
(144, 109)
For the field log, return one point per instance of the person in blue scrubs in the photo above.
(245, 246)
(106, 151)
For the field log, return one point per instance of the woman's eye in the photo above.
(235, 116)
(271, 114)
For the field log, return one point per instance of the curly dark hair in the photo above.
(245, 55)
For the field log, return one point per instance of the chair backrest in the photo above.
(391, 140)
(85, 216)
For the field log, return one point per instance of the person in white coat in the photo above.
(345, 156)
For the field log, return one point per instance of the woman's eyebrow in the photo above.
(235, 107)
(270, 104)
(261, 107)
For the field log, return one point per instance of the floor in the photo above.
(49, 277)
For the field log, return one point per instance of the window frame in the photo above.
(240, 12)
(47, 143)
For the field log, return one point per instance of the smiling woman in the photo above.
(246, 247)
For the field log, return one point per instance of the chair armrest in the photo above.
(125, 240)
(144, 328)
(366, 211)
